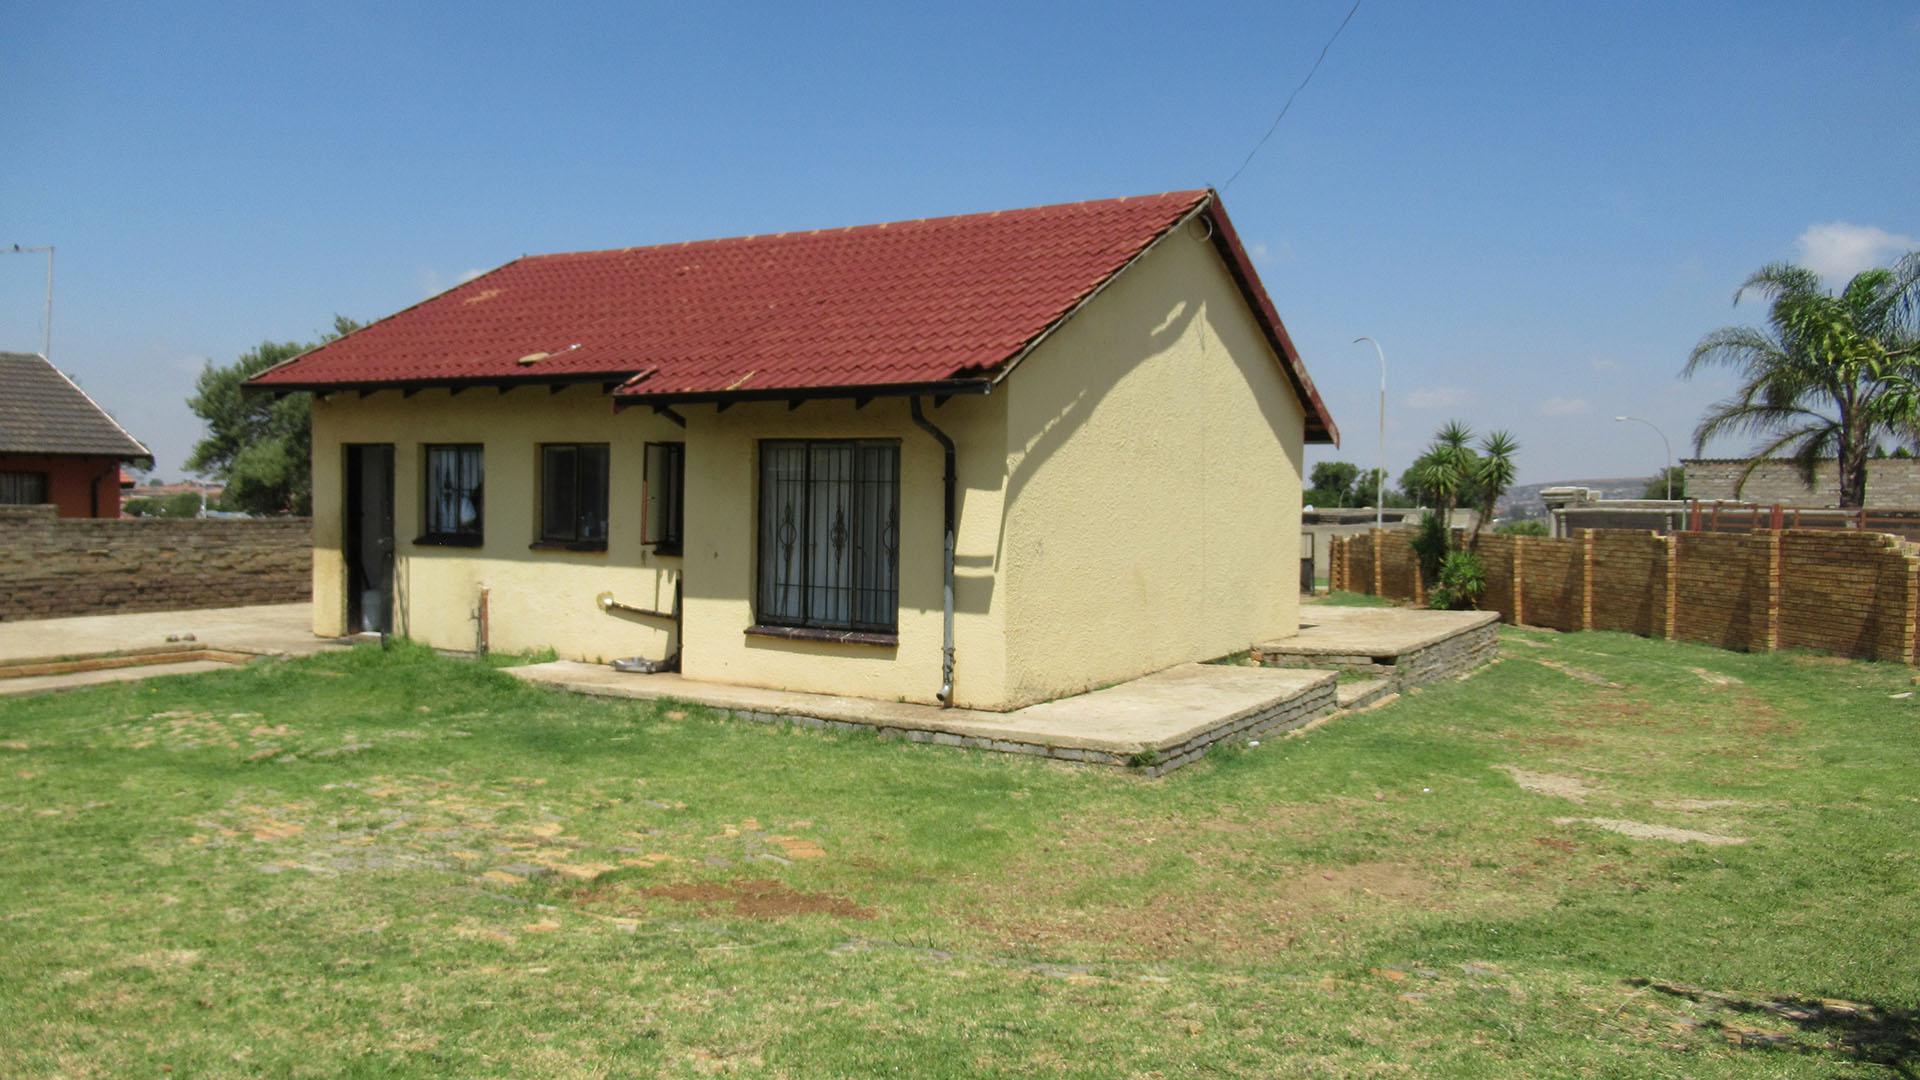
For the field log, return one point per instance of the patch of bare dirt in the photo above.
(1571, 788)
(1582, 674)
(760, 898)
(1550, 740)
(1714, 678)
(1692, 805)
(1640, 830)
(1314, 903)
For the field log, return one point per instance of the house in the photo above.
(984, 460)
(56, 445)
(1892, 482)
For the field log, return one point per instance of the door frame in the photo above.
(353, 513)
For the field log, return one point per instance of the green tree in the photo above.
(183, 504)
(1372, 489)
(1332, 484)
(1657, 486)
(1493, 474)
(1829, 376)
(260, 447)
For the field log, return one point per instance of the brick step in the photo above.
(1359, 693)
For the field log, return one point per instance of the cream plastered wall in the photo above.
(537, 598)
(1154, 482)
(722, 499)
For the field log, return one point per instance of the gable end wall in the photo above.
(1154, 452)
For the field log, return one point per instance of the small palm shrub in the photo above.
(1462, 579)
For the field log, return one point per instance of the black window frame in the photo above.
(673, 498)
(435, 531)
(579, 515)
(25, 478)
(809, 623)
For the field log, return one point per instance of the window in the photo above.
(666, 483)
(573, 495)
(829, 535)
(23, 488)
(453, 498)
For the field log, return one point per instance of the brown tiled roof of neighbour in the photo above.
(44, 412)
(908, 306)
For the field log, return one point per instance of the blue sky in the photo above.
(1536, 208)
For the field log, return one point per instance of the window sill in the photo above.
(589, 546)
(670, 550)
(446, 540)
(809, 633)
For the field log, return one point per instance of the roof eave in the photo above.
(451, 382)
(1320, 427)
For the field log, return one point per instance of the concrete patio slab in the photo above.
(1157, 723)
(40, 684)
(42, 655)
(263, 629)
(1405, 646)
(1359, 631)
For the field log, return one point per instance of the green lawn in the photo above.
(392, 863)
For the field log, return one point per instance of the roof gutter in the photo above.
(938, 390)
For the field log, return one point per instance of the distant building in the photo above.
(1893, 482)
(56, 445)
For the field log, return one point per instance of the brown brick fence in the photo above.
(1844, 591)
(52, 566)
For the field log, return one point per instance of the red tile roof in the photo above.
(907, 304)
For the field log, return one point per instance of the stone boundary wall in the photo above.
(51, 566)
(1847, 592)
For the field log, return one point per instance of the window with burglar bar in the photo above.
(23, 488)
(666, 481)
(455, 476)
(829, 534)
(573, 495)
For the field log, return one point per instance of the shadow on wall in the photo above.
(1066, 416)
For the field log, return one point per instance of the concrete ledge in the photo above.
(1402, 647)
(1157, 723)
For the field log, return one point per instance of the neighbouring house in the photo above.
(989, 460)
(56, 445)
(1891, 482)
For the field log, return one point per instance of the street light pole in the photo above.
(1668, 472)
(1380, 486)
(46, 333)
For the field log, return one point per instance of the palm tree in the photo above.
(1831, 375)
(1447, 468)
(1493, 474)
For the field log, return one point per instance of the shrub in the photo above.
(1431, 543)
(1462, 579)
(1529, 527)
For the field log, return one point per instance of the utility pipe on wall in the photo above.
(946, 626)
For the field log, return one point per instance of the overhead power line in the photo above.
(1296, 93)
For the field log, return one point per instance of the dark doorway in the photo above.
(369, 539)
